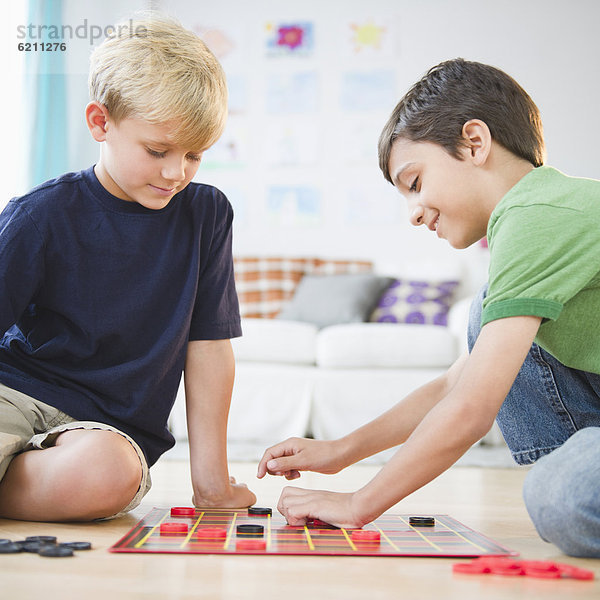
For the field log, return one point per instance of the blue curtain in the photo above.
(45, 86)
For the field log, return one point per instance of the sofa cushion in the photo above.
(329, 299)
(415, 301)
(276, 341)
(265, 284)
(385, 345)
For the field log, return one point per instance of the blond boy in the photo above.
(114, 281)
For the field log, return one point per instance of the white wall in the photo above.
(323, 144)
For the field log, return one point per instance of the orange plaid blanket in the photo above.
(265, 284)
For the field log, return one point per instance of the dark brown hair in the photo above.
(455, 91)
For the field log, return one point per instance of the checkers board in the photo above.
(215, 531)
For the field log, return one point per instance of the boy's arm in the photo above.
(461, 418)
(209, 374)
(391, 428)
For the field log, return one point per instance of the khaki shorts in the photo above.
(28, 424)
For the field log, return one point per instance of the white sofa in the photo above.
(293, 379)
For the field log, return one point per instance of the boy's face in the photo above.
(442, 192)
(140, 163)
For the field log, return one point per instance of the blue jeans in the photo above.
(551, 417)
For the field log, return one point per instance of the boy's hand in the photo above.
(300, 454)
(298, 505)
(236, 495)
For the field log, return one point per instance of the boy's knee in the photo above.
(116, 485)
(561, 495)
(112, 476)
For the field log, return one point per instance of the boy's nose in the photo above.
(174, 171)
(416, 215)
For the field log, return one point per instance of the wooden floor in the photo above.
(488, 500)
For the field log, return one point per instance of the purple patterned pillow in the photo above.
(417, 302)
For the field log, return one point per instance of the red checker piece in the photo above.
(503, 566)
(575, 572)
(490, 564)
(211, 533)
(183, 511)
(507, 571)
(365, 535)
(543, 569)
(497, 561)
(251, 545)
(318, 524)
(540, 565)
(173, 528)
(541, 574)
(470, 568)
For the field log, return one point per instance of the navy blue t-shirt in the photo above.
(99, 298)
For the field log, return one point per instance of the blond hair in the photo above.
(154, 69)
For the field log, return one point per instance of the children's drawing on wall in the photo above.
(365, 204)
(368, 90)
(291, 143)
(289, 39)
(367, 36)
(231, 150)
(228, 40)
(358, 141)
(237, 86)
(221, 43)
(293, 205)
(296, 92)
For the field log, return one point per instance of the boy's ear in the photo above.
(478, 140)
(96, 117)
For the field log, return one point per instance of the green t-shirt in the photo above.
(544, 240)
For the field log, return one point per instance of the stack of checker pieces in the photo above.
(44, 545)
(541, 569)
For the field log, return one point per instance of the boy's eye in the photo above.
(155, 153)
(413, 187)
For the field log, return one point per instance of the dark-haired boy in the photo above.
(465, 147)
